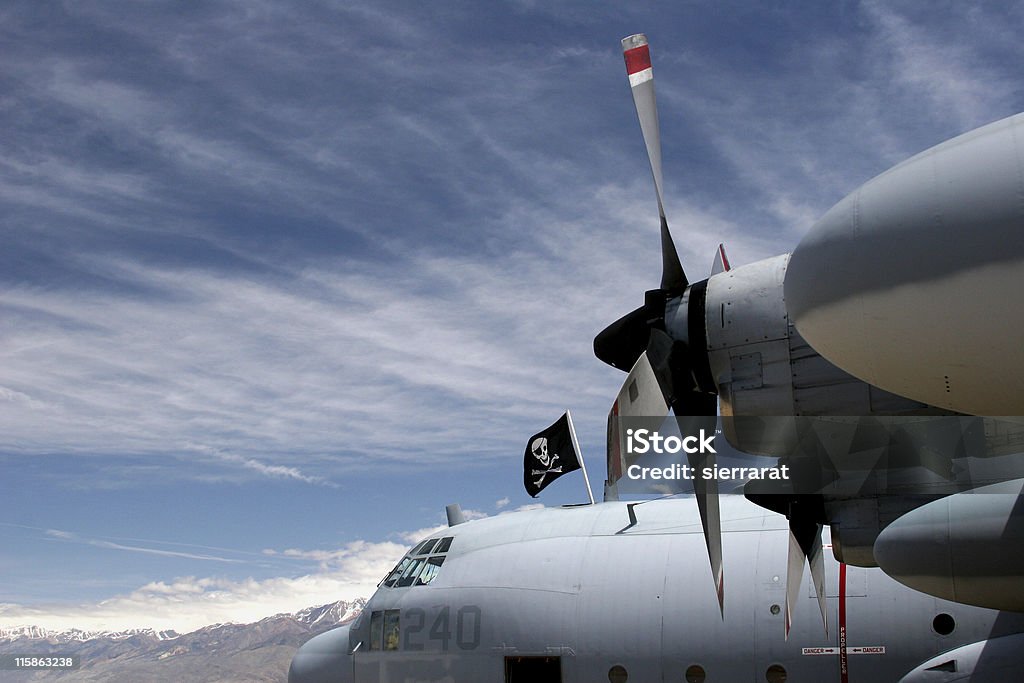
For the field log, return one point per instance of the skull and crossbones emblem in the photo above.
(539, 448)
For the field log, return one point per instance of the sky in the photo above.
(279, 282)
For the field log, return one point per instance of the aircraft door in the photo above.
(533, 670)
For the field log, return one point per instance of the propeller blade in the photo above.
(794, 574)
(638, 340)
(673, 279)
(621, 343)
(641, 81)
(706, 493)
(660, 348)
(670, 359)
(721, 263)
(804, 542)
(694, 411)
(816, 561)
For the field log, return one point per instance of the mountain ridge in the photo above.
(226, 653)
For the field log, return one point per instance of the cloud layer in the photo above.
(272, 240)
(187, 603)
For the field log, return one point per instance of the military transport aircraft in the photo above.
(869, 360)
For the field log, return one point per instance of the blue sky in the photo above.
(278, 283)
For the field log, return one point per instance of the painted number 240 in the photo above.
(466, 631)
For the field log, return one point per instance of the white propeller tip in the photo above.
(633, 41)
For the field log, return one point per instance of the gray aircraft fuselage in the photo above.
(592, 600)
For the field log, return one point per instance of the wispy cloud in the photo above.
(273, 471)
(352, 278)
(268, 374)
(155, 551)
(189, 603)
(71, 537)
(57, 533)
(944, 63)
(185, 603)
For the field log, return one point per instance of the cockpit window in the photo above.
(410, 573)
(430, 570)
(419, 571)
(426, 546)
(391, 578)
(376, 630)
(391, 629)
(418, 550)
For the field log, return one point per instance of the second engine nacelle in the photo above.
(968, 547)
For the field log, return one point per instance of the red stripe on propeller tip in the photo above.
(637, 59)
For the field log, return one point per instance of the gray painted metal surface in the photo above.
(913, 281)
(993, 661)
(562, 582)
(967, 547)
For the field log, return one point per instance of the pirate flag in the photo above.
(549, 454)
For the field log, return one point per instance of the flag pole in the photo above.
(579, 453)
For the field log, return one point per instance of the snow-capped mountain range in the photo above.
(74, 634)
(313, 617)
(260, 651)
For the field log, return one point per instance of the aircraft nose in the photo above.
(324, 658)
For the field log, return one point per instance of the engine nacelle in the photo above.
(913, 281)
(761, 366)
(968, 547)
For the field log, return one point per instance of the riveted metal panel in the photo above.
(746, 304)
(747, 339)
(819, 387)
(747, 371)
(741, 393)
